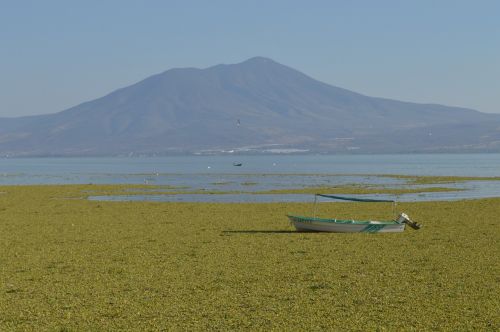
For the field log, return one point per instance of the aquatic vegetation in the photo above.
(249, 183)
(221, 183)
(73, 264)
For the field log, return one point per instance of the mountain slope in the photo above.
(188, 110)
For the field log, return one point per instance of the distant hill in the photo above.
(254, 106)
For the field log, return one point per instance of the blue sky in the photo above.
(56, 54)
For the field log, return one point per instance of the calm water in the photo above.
(257, 172)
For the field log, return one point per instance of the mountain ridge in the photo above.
(258, 102)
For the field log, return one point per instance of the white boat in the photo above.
(313, 224)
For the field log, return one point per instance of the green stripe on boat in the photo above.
(374, 228)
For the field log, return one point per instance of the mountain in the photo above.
(257, 106)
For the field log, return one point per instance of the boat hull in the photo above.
(309, 224)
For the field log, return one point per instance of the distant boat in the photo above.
(313, 224)
(238, 123)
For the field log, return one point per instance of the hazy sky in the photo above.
(56, 54)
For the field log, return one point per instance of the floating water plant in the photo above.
(73, 264)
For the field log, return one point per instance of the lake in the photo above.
(257, 173)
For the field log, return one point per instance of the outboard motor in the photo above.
(404, 219)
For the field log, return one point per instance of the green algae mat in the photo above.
(68, 264)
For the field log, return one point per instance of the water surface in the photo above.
(257, 173)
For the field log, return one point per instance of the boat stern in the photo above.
(404, 219)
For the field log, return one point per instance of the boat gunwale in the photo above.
(341, 221)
